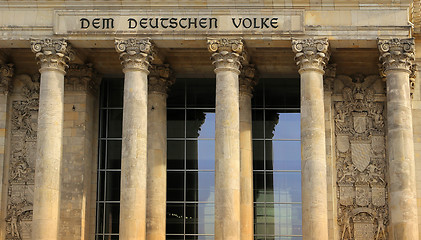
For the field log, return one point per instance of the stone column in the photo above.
(247, 83)
(135, 55)
(53, 56)
(159, 81)
(311, 57)
(397, 56)
(6, 74)
(226, 59)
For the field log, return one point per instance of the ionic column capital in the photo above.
(135, 54)
(311, 54)
(6, 74)
(397, 54)
(248, 79)
(52, 54)
(81, 77)
(226, 53)
(160, 79)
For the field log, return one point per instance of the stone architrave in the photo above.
(397, 58)
(311, 55)
(53, 56)
(226, 57)
(160, 80)
(247, 83)
(135, 56)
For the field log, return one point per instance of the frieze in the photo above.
(360, 157)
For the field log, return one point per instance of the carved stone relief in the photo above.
(22, 160)
(361, 157)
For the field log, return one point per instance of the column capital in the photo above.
(135, 54)
(248, 79)
(160, 79)
(397, 54)
(311, 54)
(226, 53)
(81, 77)
(6, 74)
(52, 54)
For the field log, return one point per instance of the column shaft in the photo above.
(134, 54)
(311, 56)
(49, 140)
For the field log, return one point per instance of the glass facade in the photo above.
(191, 159)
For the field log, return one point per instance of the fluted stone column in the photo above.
(226, 59)
(135, 55)
(397, 57)
(159, 81)
(52, 55)
(311, 57)
(247, 83)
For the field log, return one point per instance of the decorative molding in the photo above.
(361, 159)
(135, 54)
(6, 74)
(311, 54)
(226, 53)
(52, 54)
(397, 54)
(248, 79)
(81, 77)
(329, 77)
(160, 79)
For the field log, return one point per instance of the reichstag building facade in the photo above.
(200, 120)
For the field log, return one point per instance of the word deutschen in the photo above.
(181, 23)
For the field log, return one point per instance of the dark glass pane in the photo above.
(288, 238)
(114, 154)
(175, 218)
(102, 123)
(174, 237)
(103, 93)
(99, 237)
(113, 186)
(115, 119)
(200, 124)
(283, 93)
(259, 219)
(258, 155)
(200, 218)
(100, 218)
(200, 186)
(282, 125)
(116, 91)
(175, 154)
(176, 94)
(284, 187)
(101, 185)
(200, 237)
(283, 219)
(283, 155)
(257, 100)
(259, 186)
(175, 123)
(200, 154)
(102, 156)
(257, 122)
(259, 238)
(201, 93)
(175, 186)
(112, 217)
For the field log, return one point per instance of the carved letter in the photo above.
(84, 23)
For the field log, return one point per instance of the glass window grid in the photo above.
(265, 204)
(101, 201)
(185, 108)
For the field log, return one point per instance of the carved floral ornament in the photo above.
(52, 54)
(248, 79)
(227, 53)
(311, 54)
(397, 54)
(6, 74)
(135, 54)
(160, 79)
(82, 77)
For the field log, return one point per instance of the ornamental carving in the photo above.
(135, 54)
(22, 160)
(361, 157)
(248, 79)
(160, 79)
(81, 78)
(311, 54)
(6, 74)
(397, 54)
(52, 53)
(226, 53)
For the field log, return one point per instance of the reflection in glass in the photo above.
(283, 155)
(200, 124)
(175, 154)
(200, 186)
(175, 186)
(112, 217)
(282, 125)
(283, 187)
(175, 218)
(200, 154)
(200, 218)
(284, 220)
